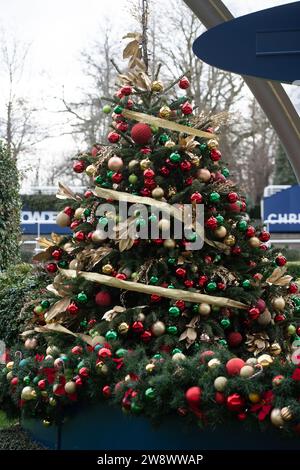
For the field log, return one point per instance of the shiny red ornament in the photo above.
(293, 288)
(88, 194)
(14, 381)
(42, 384)
(189, 181)
(185, 165)
(279, 318)
(215, 155)
(236, 250)
(211, 223)
(73, 309)
(78, 381)
(257, 276)
(117, 178)
(232, 197)
(119, 94)
(186, 108)
(263, 247)
(234, 365)
(69, 211)
(80, 236)
(150, 184)
(145, 192)
(141, 133)
(157, 241)
(264, 236)
(146, 336)
(253, 313)
(241, 416)
(202, 280)
(56, 254)
(164, 171)
(234, 339)
(149, 173)
(137, 327)
(235, 402)
(77, 350)
(146, 150)
(121, 276)
(113, 137)
(219, 177)
(188, 283)
(207, 259)
(280, 260)
(184, 83)
(126, 90)
(106, 391)
(74, 224)
(92, 322)
(234, 207)
(155, 298)
(180, 272)
(51, 268)
(220, 398)
(250, 232)
(104, 352)
(122, 126)
(221, 285)
(103, 299)
(84, 372)
(243, 206)
(180, 304)
(79, 166)
(196, 197)
(193, 396)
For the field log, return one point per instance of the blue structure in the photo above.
(281, 211)
(40, 223)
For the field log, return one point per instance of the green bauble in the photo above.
(45, 304)
(111, 335)
(214, 197)
(246, 284)
(242, 225)
(153, 280)
(172, 330)
(38, 309)
(84, 323)
(150, 393)
(171, 261)
(196, 308)
(192, 237)
(225, 322)
(118, 109)
(223, 342)
(133, 179)
(106, 109)
(26, 380)
(174, 311)
(163, 138)
(211, 286)
(154, 129)
(157, 356)
(98, 180)
(176, 351)
(225, 172)
(109, 174)
(220, 219)
(87, 212)
(121, 352)
(63, 264)
(136, 407)
(175, 157)
(203, 147)
(170, 286)
(296, 299)
(82, 297)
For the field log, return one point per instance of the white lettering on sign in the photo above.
(36, 217)
(283, 219)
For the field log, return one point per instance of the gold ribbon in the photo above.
(165, 124)
(175, 294)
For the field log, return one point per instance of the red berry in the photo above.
(184, 83)
(215, 155)
(187, 108)
(141, 133)
(196, 197)
(232, 197)
(113, 137)
(79, 166)
(51, 267)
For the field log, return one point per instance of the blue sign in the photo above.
(264, 44)
(281, 212)
(41, 223)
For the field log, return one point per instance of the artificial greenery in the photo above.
(10, 207)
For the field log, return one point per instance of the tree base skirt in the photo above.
(104, 427)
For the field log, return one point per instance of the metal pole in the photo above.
(270, 95)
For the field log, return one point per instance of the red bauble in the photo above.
(263, 247)
(78, 381)
(145, 192)
(253, 313)
(250, 232)
(185, 165)
(279, 318)
(164, 171)
(155, 298)
(211, 223)
(126, 90)
(42, 384)
(234, 365)
(103, 299)
(280, 260)
(180, 272)
(193, 396)
(121, 276)
(220, 398)
(104, 352)
(235, 402)
(80, 236)
(234, 207)
(106, 390)
(157, 241)
(202, 280)
(293, 288)
(243, 206)
(149, 173)
(215, 155)
(77, 350)
(236, 250)
(141, 133)
(56, 254)
(129, 104)
(145, 150)
(92, 322)
(207, 259)
(188, 283)
(51, 267)
(187, 108)
(180, 304)
(261, 305)
(242, 416)
(197, 197)
(88, 194)
(122, 126)
(205, 356)
(221, 285)
(232, 197)
(189, 181)
(184, 83)
(72, 308)
(219, 177)
(137, 327)
(69, 211)
(234, 339)
(84, 372)
(74, 224)
(117, 178)
(79, 166)
(113, 137)
(264, 236)
(146, 336)
(14, 381)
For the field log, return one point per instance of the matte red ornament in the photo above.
(293, 288)
(235, 402)
(103, 299)
(180, 272)
(234, 365)
(137, 327)
(126, 90)
(77, 350)
(73, 309)
(253, 313)
(141, 133)
(211, 223)
(113, 137)
(234, 339)
(84, 372)
(215, 155)
(232, 197)
(51, 268)
(186, 108)
(280, 260)
(220, 398)
(196, 197)
(193, 396)
(106, 391)
(184, 83)
(80, 236)
(79, 166)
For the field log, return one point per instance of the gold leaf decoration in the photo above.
(57, 308)
(45, 242)
(257, 342)
(44, 255)
(66, 193)
(190, 334)
(277, 278)
(112, 313)
(188, 144)
(89, 258)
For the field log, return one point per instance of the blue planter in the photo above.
(103, 427)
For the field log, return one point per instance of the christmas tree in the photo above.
(150, 322)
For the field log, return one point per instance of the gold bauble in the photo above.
(264, 318)
(44, 393)
(213, 363)
(158, 328)
(195, 160)
(157, 193)
(276, 418)
(79, 212)
(46, 423)
(229, 240)
(9, 375)
(169, 144)
(73, 264)
(275, 349)
(246, 371)
(286, 413)
(212, 144)
(164, 112)
(145, 163)
(204, 309)
(107, 269)
(70, 387)
(132, 164)
(157, 86)
(62, 219)
(52, 401)
(141, 317)
(220, 232)
(169, 244)
(254, 397)
(98, 339)
(204, 175)
(10, 365)
(264, 360)
(90, 170)
(98, 236)
(278, 303)
(150, 368)
(123, 328)
(177, 357)
(220, 383)
(28, 393)
(254, 242)
(101, 368)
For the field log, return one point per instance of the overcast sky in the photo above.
(57, 30)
